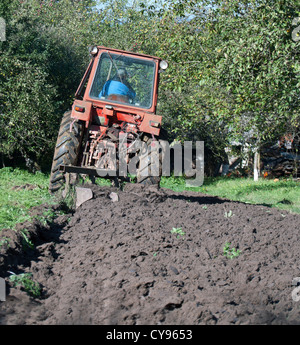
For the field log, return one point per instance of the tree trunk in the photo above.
(256, 168)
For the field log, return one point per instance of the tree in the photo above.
(233, 65)
(42, 62)
(256, 64)
(234, 68)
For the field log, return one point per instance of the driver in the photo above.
(118, 86)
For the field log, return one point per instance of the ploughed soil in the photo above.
(116, 261)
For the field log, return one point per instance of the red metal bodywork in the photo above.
(103, 113)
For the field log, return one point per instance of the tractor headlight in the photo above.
(163, 64)
(93, 50)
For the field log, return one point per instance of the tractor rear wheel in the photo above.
(150, 163)
(66, 150)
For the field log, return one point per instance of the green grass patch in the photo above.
(283, 194)
(20, 191)
(101, 181)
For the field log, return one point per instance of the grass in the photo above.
(283, 193)
(26, 240)
(21, 190)
(15, 203)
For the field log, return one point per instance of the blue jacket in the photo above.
(116, 87)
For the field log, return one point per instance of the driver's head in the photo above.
(123, 73)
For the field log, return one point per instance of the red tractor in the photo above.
(114, 108)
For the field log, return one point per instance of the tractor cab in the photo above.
(124, 80)
(128, 81)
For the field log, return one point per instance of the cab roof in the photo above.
(129, 52)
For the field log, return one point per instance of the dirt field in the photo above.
(118, 263)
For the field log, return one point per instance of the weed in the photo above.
(26, 240)
(4, 242)
(204, 207)
(178, 231)
(25, 280)
(228, 214)
(69, 200)
(47, 217)
(230, 253)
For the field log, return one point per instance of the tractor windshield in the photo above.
(124, 79)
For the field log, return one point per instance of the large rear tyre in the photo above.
(66, 150)
(149, 170)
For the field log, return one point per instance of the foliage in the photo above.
(42, 62)
(233, 66)
(4, 242)
(253, 62)
(25, 280)
(29, 114)
(178, 231)
(230, 253)
(228, 214)
(27, 243)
